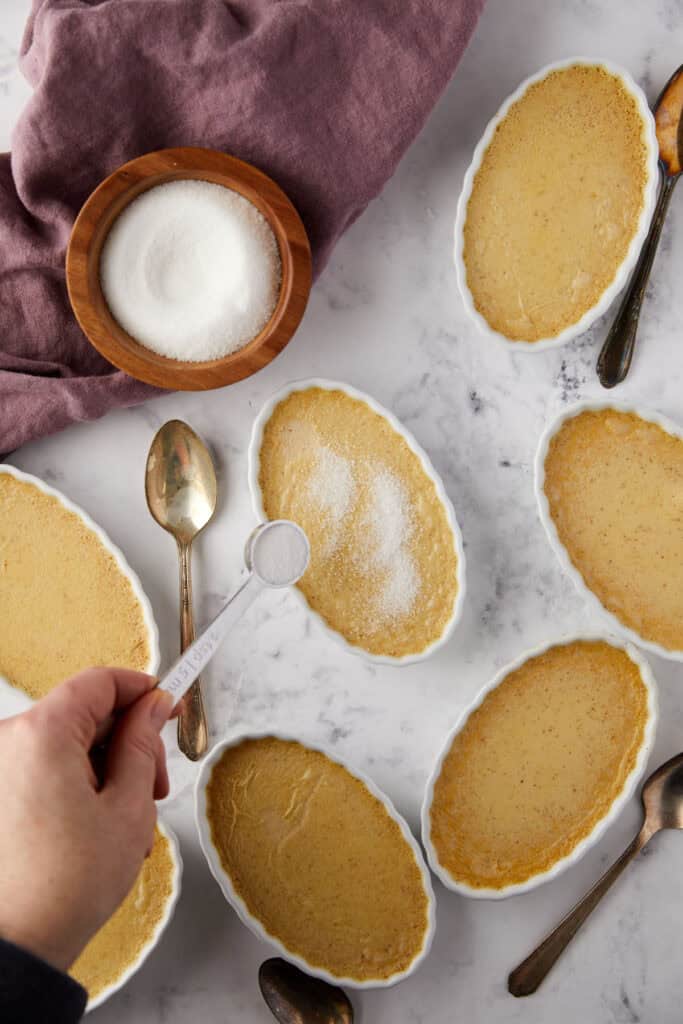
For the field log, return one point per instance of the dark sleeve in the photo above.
(32, 992)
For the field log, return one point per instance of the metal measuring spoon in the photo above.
(180, 485)
(614, 360)
(662, 797)
(293, 997)
(276, 555)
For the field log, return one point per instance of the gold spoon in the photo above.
(662, 797)
(614, 360)
(180, 484)
(276, 555)
(295, 998)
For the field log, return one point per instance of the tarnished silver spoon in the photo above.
(293, 997)
(662, 798)
(276, 555)
(614, 360)
(180, 485)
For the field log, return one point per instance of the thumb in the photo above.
(136, 759)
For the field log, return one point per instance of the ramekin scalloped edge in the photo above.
(161, 927)
(429, 470)
(237, 903)
(551, 530)
(625, 267)
(116, 553)
(599, 828)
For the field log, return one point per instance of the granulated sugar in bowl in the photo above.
(191, 270)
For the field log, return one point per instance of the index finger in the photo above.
(87, 700)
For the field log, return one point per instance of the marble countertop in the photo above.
(386, 317)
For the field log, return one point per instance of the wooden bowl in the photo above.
(93, 224)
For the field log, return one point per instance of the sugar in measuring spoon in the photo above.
(276, 555)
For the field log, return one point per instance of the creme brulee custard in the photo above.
(118, 945)
(383, 569)
(555, 202)
(317, 859)
(65, 602)
(538, 764)
(614, 484)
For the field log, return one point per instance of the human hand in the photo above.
(70, 846)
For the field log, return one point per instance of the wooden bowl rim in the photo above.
(106, 203)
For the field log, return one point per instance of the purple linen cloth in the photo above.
(323, 95)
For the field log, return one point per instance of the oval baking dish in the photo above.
(659, 505)
(622, 270)
(282, 814)
(497, 745)
(28, 485)
(401, 436)
(169, 909)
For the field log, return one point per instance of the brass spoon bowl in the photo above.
(293, 997)
(614, 360)
(662, 797)
(180, 485)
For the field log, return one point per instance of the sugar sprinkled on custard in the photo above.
(383, 568)
(538, 764)
(66, 603)
(317, 859)
(120, 942)
(614, 484)
(555, 203)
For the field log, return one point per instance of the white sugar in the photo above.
(389, 526)
(373, 504)
(280, 554)
(389, 519)
(191, 270)
(401, 586)
(331, 486)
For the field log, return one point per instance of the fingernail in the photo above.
(161, 708)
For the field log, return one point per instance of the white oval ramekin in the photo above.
(551, 530)
(17, 701)
(257, 503)
(599, 828)
(147, 614)
(169, 910)
(237, 903)
(623, 270)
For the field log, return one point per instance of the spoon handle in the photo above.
(192, 728)
(614, 360)
(186, 669)
(527, 977)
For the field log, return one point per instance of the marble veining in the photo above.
(386, 317)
